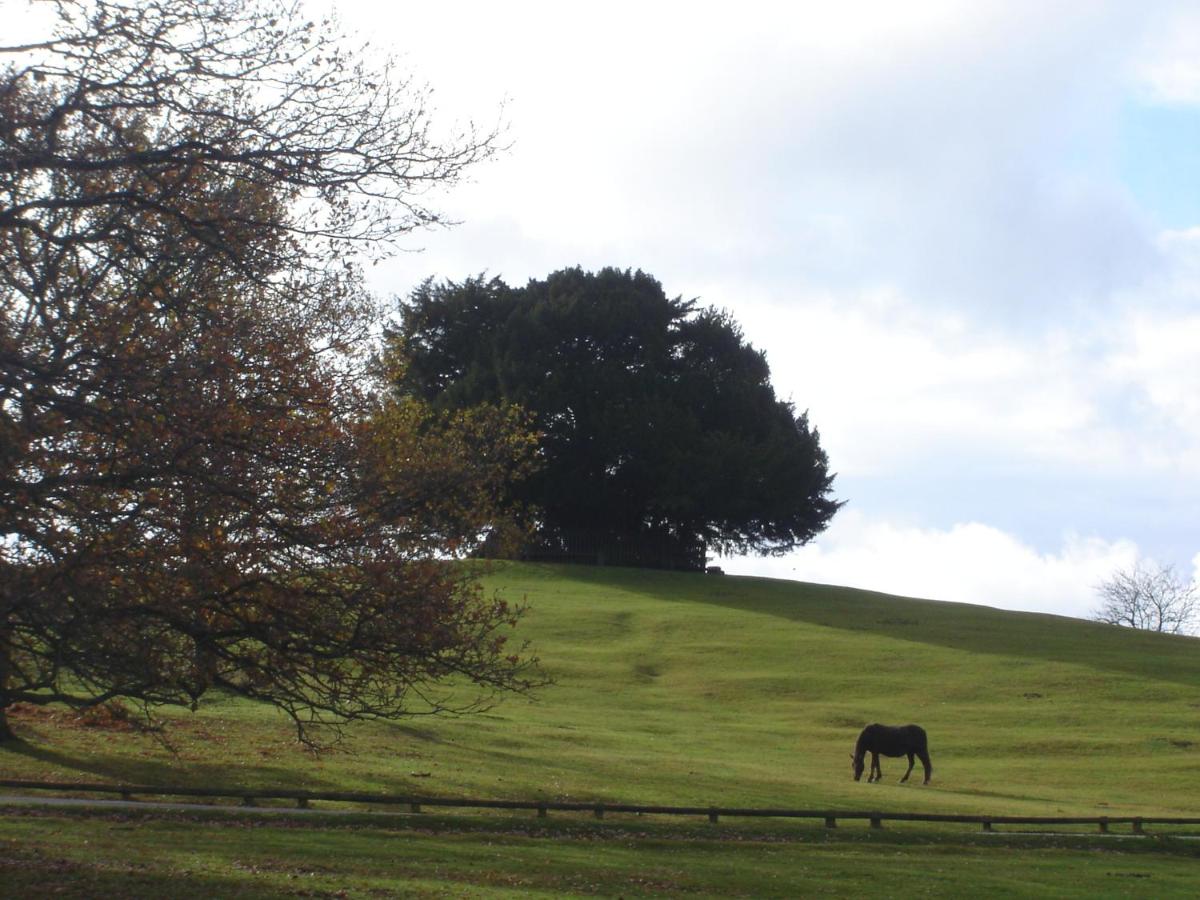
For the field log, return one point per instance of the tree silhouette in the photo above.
(659, 423)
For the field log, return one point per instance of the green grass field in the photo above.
(682, 689)
(199, 857)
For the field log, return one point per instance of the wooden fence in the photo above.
(304, 799)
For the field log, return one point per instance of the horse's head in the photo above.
(858, 765)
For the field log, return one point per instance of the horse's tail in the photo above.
(922, 738)
(923, 752)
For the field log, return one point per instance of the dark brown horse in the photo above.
(891, 740)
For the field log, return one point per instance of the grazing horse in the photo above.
(891, 740)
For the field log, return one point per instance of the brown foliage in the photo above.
(186, 438)
(110, 716)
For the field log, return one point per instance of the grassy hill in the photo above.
(689, 689)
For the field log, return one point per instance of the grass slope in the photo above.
(696, 690)
(674, 689)
(199, 857)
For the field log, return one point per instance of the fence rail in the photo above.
(304, 799)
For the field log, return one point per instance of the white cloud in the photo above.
(1159, 358)
(1167, 68)
(890, 384)
(26, 22)
(946, 150)
(969, 563)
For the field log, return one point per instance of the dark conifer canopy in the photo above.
(658, 419)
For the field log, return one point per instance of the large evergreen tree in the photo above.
(659, 422)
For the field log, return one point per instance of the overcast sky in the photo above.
(966, 235)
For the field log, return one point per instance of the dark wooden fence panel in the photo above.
(416, 803)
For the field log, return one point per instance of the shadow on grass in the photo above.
(958, 626)
(416, 732)
(121, 768)
(37, 875)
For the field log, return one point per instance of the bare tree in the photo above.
(1152, 599)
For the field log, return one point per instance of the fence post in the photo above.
(302, 802)
(712, 816)
(987, 825)
(1137, 826)
(876, 822)
(541, 812)
(414, 807)
(830, 822)
(599, 811)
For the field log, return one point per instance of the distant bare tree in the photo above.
(1151, 599)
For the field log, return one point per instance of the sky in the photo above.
(965, 234)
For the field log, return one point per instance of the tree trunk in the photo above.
(6, 732)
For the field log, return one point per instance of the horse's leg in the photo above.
(876, 772)
(910, 768)
(928, 766)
